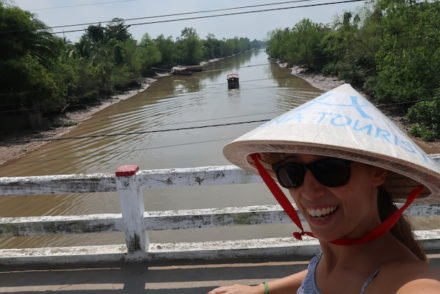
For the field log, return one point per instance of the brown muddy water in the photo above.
(266, 90)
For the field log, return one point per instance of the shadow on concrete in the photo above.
(138, 278)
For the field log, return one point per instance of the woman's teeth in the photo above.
(321, 212)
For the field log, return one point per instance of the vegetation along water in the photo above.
(389, 49)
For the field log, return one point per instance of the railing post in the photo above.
(132, 206)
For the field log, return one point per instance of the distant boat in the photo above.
(194, 68)
(179, 70)
(160, 75)
(233, 81)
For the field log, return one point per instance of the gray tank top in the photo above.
(309, 286)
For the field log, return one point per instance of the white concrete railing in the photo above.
(134, 221)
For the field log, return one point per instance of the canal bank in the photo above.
(18, 145)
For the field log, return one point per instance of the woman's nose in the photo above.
(311, 187)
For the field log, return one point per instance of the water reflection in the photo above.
(231, 64)
(234, 93)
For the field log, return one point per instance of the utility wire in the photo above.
(179, 14)
(145, 132)
(225, 14)
(167, 130)
(141, 149)
(180, 123)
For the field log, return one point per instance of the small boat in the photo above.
(233, 81)
(183, 71)
(194, 68)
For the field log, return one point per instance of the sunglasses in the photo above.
(330, 172)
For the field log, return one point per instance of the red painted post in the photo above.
(127, 170)
(132, 207)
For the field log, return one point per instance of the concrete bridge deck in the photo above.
(135, 278)
(138, 278)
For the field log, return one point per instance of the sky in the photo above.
(252, 25)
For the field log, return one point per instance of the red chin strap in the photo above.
(380, 230)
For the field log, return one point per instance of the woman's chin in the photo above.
(326, 234)
(325, 237)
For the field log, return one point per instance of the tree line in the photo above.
(42, 74)
(390, 49)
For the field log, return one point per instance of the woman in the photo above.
(343, 162)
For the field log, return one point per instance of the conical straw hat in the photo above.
(342, 123)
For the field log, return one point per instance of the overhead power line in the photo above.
(146, 132)
(226, 14)
(130, 151)
(181, 13)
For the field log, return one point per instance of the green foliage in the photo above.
(389, 48)
(117, 31)
(149, 55)
(167, 49)
(189, 47)
(409, 57)
(425, 117)
(350, 48)
(211, 47)
(29, 59)
(299, 46)
(277, 44)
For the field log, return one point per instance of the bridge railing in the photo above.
(134, 221)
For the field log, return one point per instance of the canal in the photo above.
(121, 134)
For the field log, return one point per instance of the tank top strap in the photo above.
(369, 280)
(308, 285)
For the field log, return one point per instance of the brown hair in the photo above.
(402, 229)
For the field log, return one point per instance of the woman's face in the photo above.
(347, 211)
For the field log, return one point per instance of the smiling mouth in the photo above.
(322, 212)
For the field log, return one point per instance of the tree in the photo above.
(299, 46)
(190, 47)
(117, 30)
(29, 56)
(167, 49)
(149, 55)
(211, 47)
(408, 59)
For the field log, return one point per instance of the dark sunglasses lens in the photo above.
(331, 172)
(290, 174)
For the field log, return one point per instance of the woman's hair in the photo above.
(402, 229)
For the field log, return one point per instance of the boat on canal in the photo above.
(233, 81)
(186, 70)
(194, 68)
(182, 71)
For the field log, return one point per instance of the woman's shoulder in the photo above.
(407, 278)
